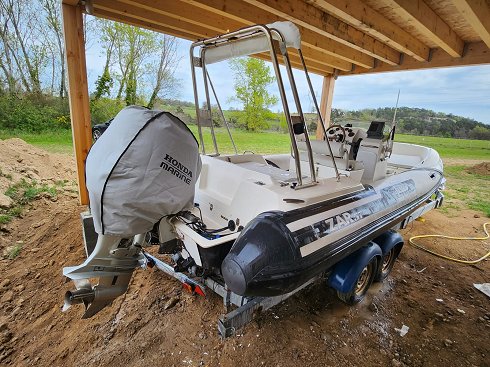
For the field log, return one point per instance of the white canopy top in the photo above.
(253, 45)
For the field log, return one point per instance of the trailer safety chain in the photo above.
(453, 238)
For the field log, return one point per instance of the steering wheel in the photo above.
(336, 132)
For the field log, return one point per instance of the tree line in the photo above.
(420, 121)
(138, 66)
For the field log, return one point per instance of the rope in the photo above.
(453, 238)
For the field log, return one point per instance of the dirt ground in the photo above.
(312, 328)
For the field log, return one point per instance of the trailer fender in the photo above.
(388, 240)
(345, 273)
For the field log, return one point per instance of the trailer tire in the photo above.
(386, 264)
(364, 281)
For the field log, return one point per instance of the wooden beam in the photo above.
(477, 14)
(325, 104)
(314, 19)
(174, 9)
(475, 54)
(296, 63)
(192, 20)
(147, 25)
(426, 21)
(313, 67)
(152, 18)
(362, 17)
(78, 91)
(248, 14)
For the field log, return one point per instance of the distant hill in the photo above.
(415, 121)
(419, 121)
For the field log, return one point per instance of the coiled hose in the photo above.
(453, 238)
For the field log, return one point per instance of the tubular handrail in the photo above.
(337, 174)
(271, 35)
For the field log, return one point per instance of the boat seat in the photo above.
(321, 147)
(408, 155)
(321, 154)
(241, 158)
(257, 163)
(404, 161)
(275, 173)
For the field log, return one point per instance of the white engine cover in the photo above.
(142, 168)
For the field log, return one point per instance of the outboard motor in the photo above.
(144, 167)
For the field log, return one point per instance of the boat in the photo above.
(258, 225)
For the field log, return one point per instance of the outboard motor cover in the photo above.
(142, 168)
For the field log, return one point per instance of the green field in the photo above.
(464, 189)
(58, 141)
(270, 142)
(451, 148)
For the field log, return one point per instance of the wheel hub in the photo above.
(363, 280)
(387, 260)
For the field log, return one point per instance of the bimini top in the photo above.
(253, 44)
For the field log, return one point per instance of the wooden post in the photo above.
(78, 91)
(326, 104)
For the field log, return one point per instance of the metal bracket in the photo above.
(89, 6)
(402, 59)
(205, 117)
(431, 53)
(465, 49)
(231, 322)
(197, 61)
(88, 231)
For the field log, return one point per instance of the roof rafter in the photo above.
(312, 18)
(429, 24)
(194, 34)
(192, 14)
(476, 53)
(477, 13)
(361, 16)
(249, 14)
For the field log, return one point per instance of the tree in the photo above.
(337, 115)
(133, 47)
(252, 76)
(140, 63)
(164, 73)
(104, 82)
(20, 37)
(53, 18)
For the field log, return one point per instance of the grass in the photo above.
(273, 142)
(465, 190)
(14, 251)
(257, 142)
(22, 193)
(57, 141)
(60, 141)
(451, 148)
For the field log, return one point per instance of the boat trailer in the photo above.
(247, 308)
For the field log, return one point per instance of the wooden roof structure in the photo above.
(339, 37)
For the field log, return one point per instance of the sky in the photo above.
(463, 91)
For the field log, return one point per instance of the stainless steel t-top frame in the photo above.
(274, 38)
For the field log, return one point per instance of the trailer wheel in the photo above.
(362, 284)
(387, 263)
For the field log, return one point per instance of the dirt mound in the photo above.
(21, 160)
(311, 328)
(480, 169)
